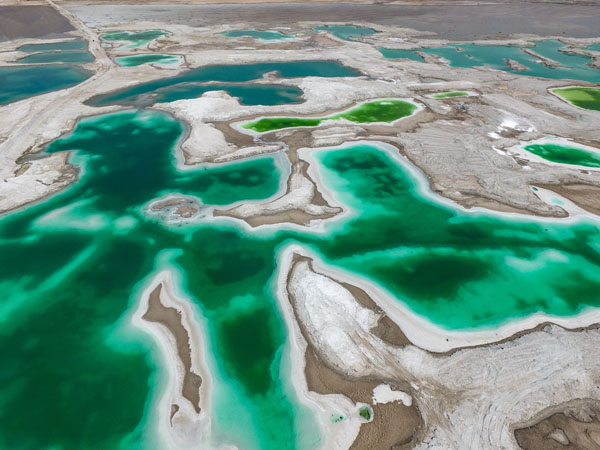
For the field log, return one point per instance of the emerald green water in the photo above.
(17, 83)
(587, 98)
(369, 112)
(192, 83)
(450, 94)
(137, 60)
(72, 268)
(136, 39)
(346, 32)
(565, 154)
(573, 67)
(54, 46)
(258, 34)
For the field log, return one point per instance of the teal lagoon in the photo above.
(258, 34)
(58, 57)
(192, 83)
(72, 45)
(20, 82)
(346, 32)
(74, 264)
(73, 51)
(393, 53)
(574, 67)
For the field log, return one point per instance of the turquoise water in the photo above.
(150, 58)
(136, 39)
(346, 32)
(54, 46)
(393, 53)
(58, 57)
(258, 34)
(191, 83)
(594, 47)
(470, 55)
(17, 83)
(73, 265)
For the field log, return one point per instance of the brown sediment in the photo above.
(171, 318)
(585, 196)
(234, 136)
(186, 211)
(174, 409)
(178, 207)
(296, 216)
(571, 426)
(387, 330)
(587, 142)
(167, 203)
(393, 425)
(545, 61)
(515, 65)
(22, 169)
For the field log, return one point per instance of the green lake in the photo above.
(369, 112)
(74, 265)
(565, 154)
(449, 94)
(584, 97)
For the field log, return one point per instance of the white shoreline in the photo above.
(520, 151)
(188, 428)
(427, 335)
(336, 436)
(423, 186)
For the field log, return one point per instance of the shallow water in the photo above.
(150, 58)
(19, 82)
(393, 53)
(73, 267)
(54, 46)
(191, 84)
(346, 32)
(470, 55)
(58, 57)
(258, 34)
(136, 39)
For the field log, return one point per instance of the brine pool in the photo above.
(77, 375)
(574, 67)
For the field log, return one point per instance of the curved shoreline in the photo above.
(184, 407)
